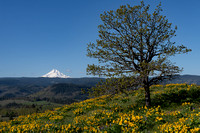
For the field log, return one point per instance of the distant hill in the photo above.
(23, 87)
(61, 93)
(47, 81)
(189, 79)
(7, 91)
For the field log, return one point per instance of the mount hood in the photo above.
(55, 74)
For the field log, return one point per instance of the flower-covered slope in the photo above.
(179, 111)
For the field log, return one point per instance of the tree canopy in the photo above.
(135, 43)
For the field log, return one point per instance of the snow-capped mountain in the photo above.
(55, 74)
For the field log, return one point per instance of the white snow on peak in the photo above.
(55, 74)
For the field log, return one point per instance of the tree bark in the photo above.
(147, 96)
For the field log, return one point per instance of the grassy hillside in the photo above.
(176, 108)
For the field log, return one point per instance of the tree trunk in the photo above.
(147, 95)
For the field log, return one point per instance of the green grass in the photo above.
(176, 108)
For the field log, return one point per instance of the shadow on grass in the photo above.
(172, 98)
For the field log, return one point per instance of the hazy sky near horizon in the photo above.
(37, 36)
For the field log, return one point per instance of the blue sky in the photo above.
(39, 35)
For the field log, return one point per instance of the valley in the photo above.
(22, 96)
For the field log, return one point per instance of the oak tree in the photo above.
(134, 42)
